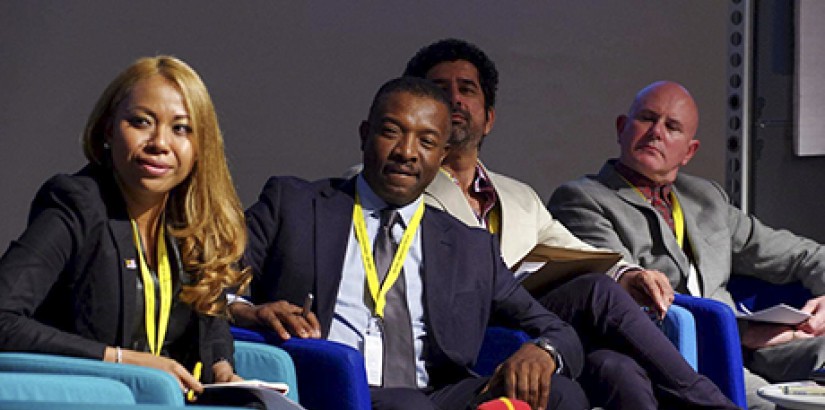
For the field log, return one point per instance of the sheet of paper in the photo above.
(283, 388)
(780, 314)
(526, 268)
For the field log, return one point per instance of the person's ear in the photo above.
(491, 119)
(693, 146)
(621, 121)
(446, 151)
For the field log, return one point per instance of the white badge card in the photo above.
(374, 353)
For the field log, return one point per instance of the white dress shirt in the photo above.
(352, 313)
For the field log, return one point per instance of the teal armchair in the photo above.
(42, 378)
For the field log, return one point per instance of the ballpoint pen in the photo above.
(307, 305)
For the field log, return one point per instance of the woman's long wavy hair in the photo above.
(203, 212)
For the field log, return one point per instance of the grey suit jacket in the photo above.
(525, 221)
(605, 211)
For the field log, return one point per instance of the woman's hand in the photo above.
(185, 379)
(224, 373)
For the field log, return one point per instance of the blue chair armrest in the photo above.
(267, 363)
(720, 351)
(150, 386)
(499, 343)
(757, 294)
(39, 387)
(334, 374)
(330, 375)
(680, 327)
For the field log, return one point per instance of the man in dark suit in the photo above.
(447, 283)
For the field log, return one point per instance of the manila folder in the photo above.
(546, 265)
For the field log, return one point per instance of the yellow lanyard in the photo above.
(379, 292)
(494, 220)
(678, 216)
(155, 339)
(678, 220)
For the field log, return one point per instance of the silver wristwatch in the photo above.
(544, 344)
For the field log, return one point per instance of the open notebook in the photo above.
(272, 395)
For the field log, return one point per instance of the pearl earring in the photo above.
(106, 145)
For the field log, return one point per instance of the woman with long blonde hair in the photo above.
(129, 260)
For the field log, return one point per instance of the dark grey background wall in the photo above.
(786, 190)
(292, 80)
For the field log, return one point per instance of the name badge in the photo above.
(374, 352)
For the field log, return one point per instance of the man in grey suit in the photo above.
(629, 364)
(685, 227)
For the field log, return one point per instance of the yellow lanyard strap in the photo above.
(507, 402)
(155, 339)
(678, 220)
(379, 292)
(678, 216)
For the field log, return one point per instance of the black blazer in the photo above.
(298, 234)
(65, 287)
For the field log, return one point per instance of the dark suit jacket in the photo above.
(298, 233)
(65, 288)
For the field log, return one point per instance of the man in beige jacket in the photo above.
(629, 363)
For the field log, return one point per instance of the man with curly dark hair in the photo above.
(458, 52)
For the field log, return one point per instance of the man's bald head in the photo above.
(657, 134)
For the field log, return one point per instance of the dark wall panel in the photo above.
(787, 189)
(292, 80)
